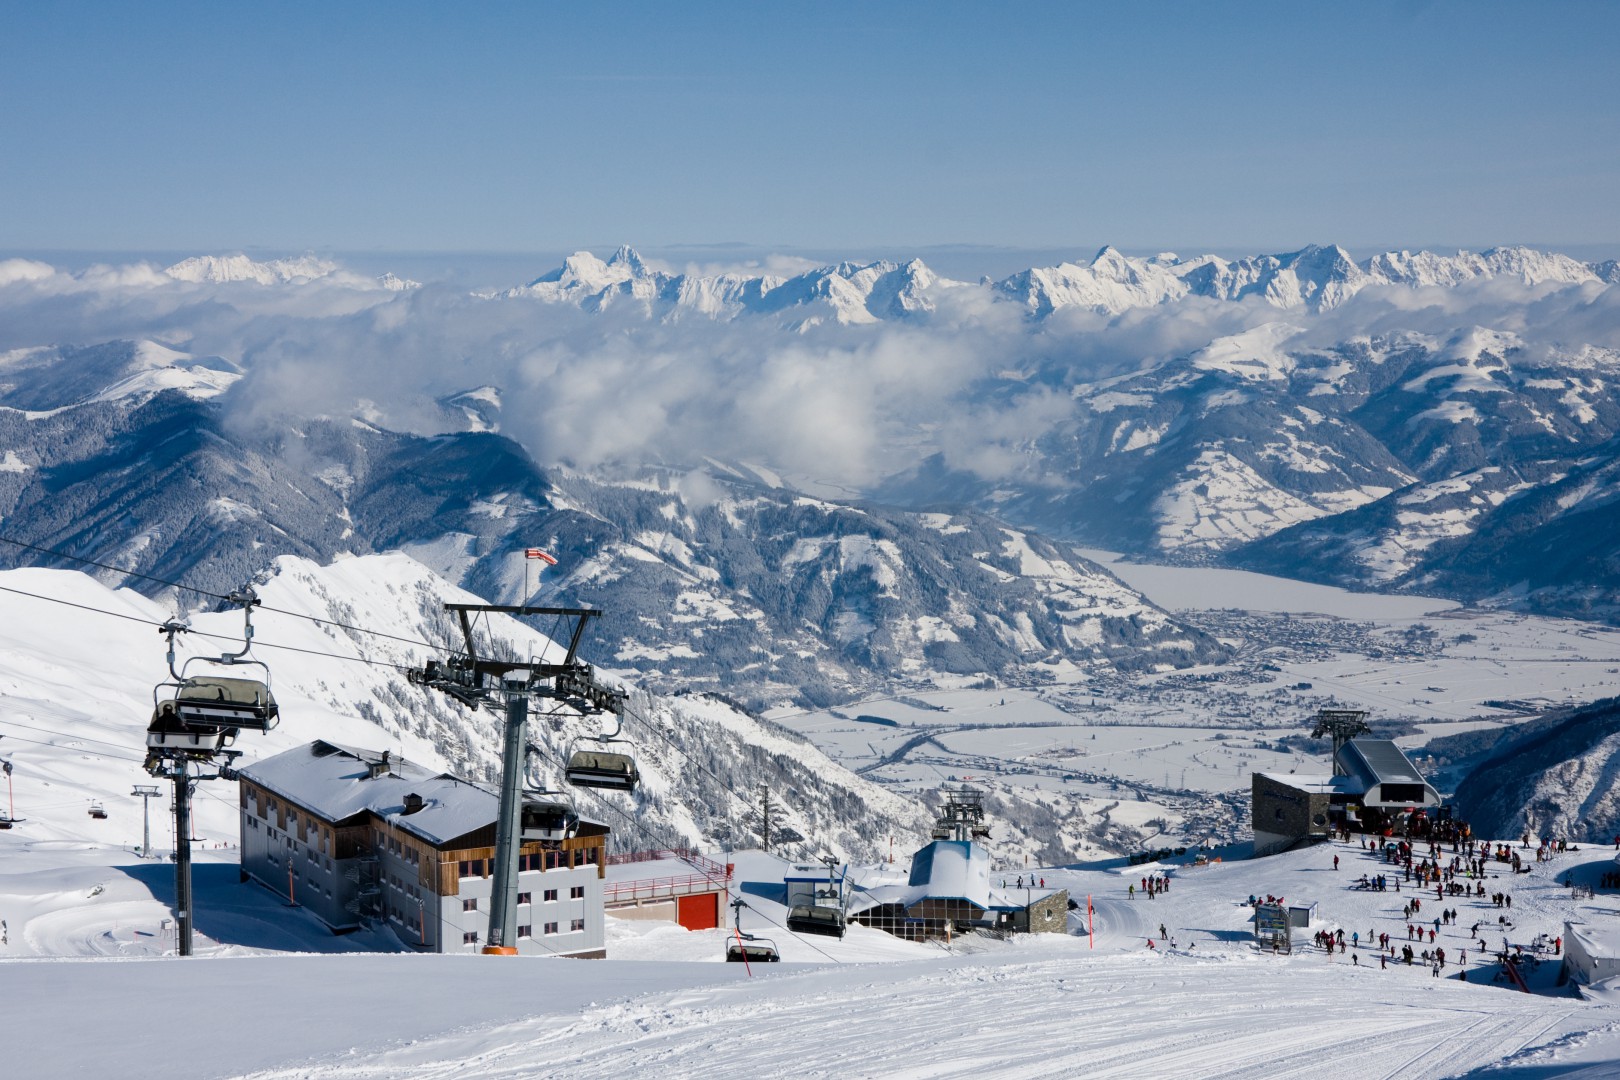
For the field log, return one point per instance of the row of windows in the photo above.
(549, 896)
(545, 860)
(526, 930)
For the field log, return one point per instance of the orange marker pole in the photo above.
(746, 965)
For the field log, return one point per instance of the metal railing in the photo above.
(711, 876)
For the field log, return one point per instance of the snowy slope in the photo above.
(1063, 1005)
(77, 688)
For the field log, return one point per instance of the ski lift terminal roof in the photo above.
(1319, 783)
(341, 782)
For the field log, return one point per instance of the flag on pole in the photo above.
(536, 553)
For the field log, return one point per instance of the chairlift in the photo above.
(748, 948)
(751, 949)
(816, 919)
(169, 734)
(544, 819)
(98, 811)
(202, 714)
(597, 762)
(217, 701)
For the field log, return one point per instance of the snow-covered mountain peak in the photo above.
(1257, 354)
(629, 258)
(480, 407)
(1470, 344)
(41, 380)
(394, 283)
(219, 269)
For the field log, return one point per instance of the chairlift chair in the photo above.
(816, 919)
(548, 820)
(169, 734)
(751, 950)
(226, 702)
(597, 762)
(98, 811)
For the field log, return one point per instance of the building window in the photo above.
(551, 928)
(577, 925)
(577, 893)
(550, 896)
(470, 904)
(525, 930)
(470, 938)
(523, 898)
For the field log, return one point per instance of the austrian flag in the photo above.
(536, 553)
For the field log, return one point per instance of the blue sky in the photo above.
(516, 127)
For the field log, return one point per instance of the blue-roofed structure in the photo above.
(952, 889)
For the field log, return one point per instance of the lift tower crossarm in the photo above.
(473, 681)
(581, 615)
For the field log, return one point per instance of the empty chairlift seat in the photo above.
(602, 769)
(752, 950)
(815, 919)
(548, 821)
(218, 701)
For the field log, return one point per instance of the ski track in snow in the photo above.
(1110, 1018)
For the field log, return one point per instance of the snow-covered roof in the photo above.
(1596, 942)
(1319, 783)
(952, 870)
(337, 782)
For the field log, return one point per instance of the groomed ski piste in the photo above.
(88, 988)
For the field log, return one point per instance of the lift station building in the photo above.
(363, 839)
(1374, 787)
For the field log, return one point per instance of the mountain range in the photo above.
(738, 586)
(1312, 279)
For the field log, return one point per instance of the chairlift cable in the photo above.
(217, 596)
(204, 633)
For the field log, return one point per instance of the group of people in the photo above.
(1462, 873)
(1153, 885)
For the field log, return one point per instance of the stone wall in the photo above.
(1283, 814)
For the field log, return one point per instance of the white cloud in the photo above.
(845, 404)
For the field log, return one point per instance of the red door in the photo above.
(701, 912)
